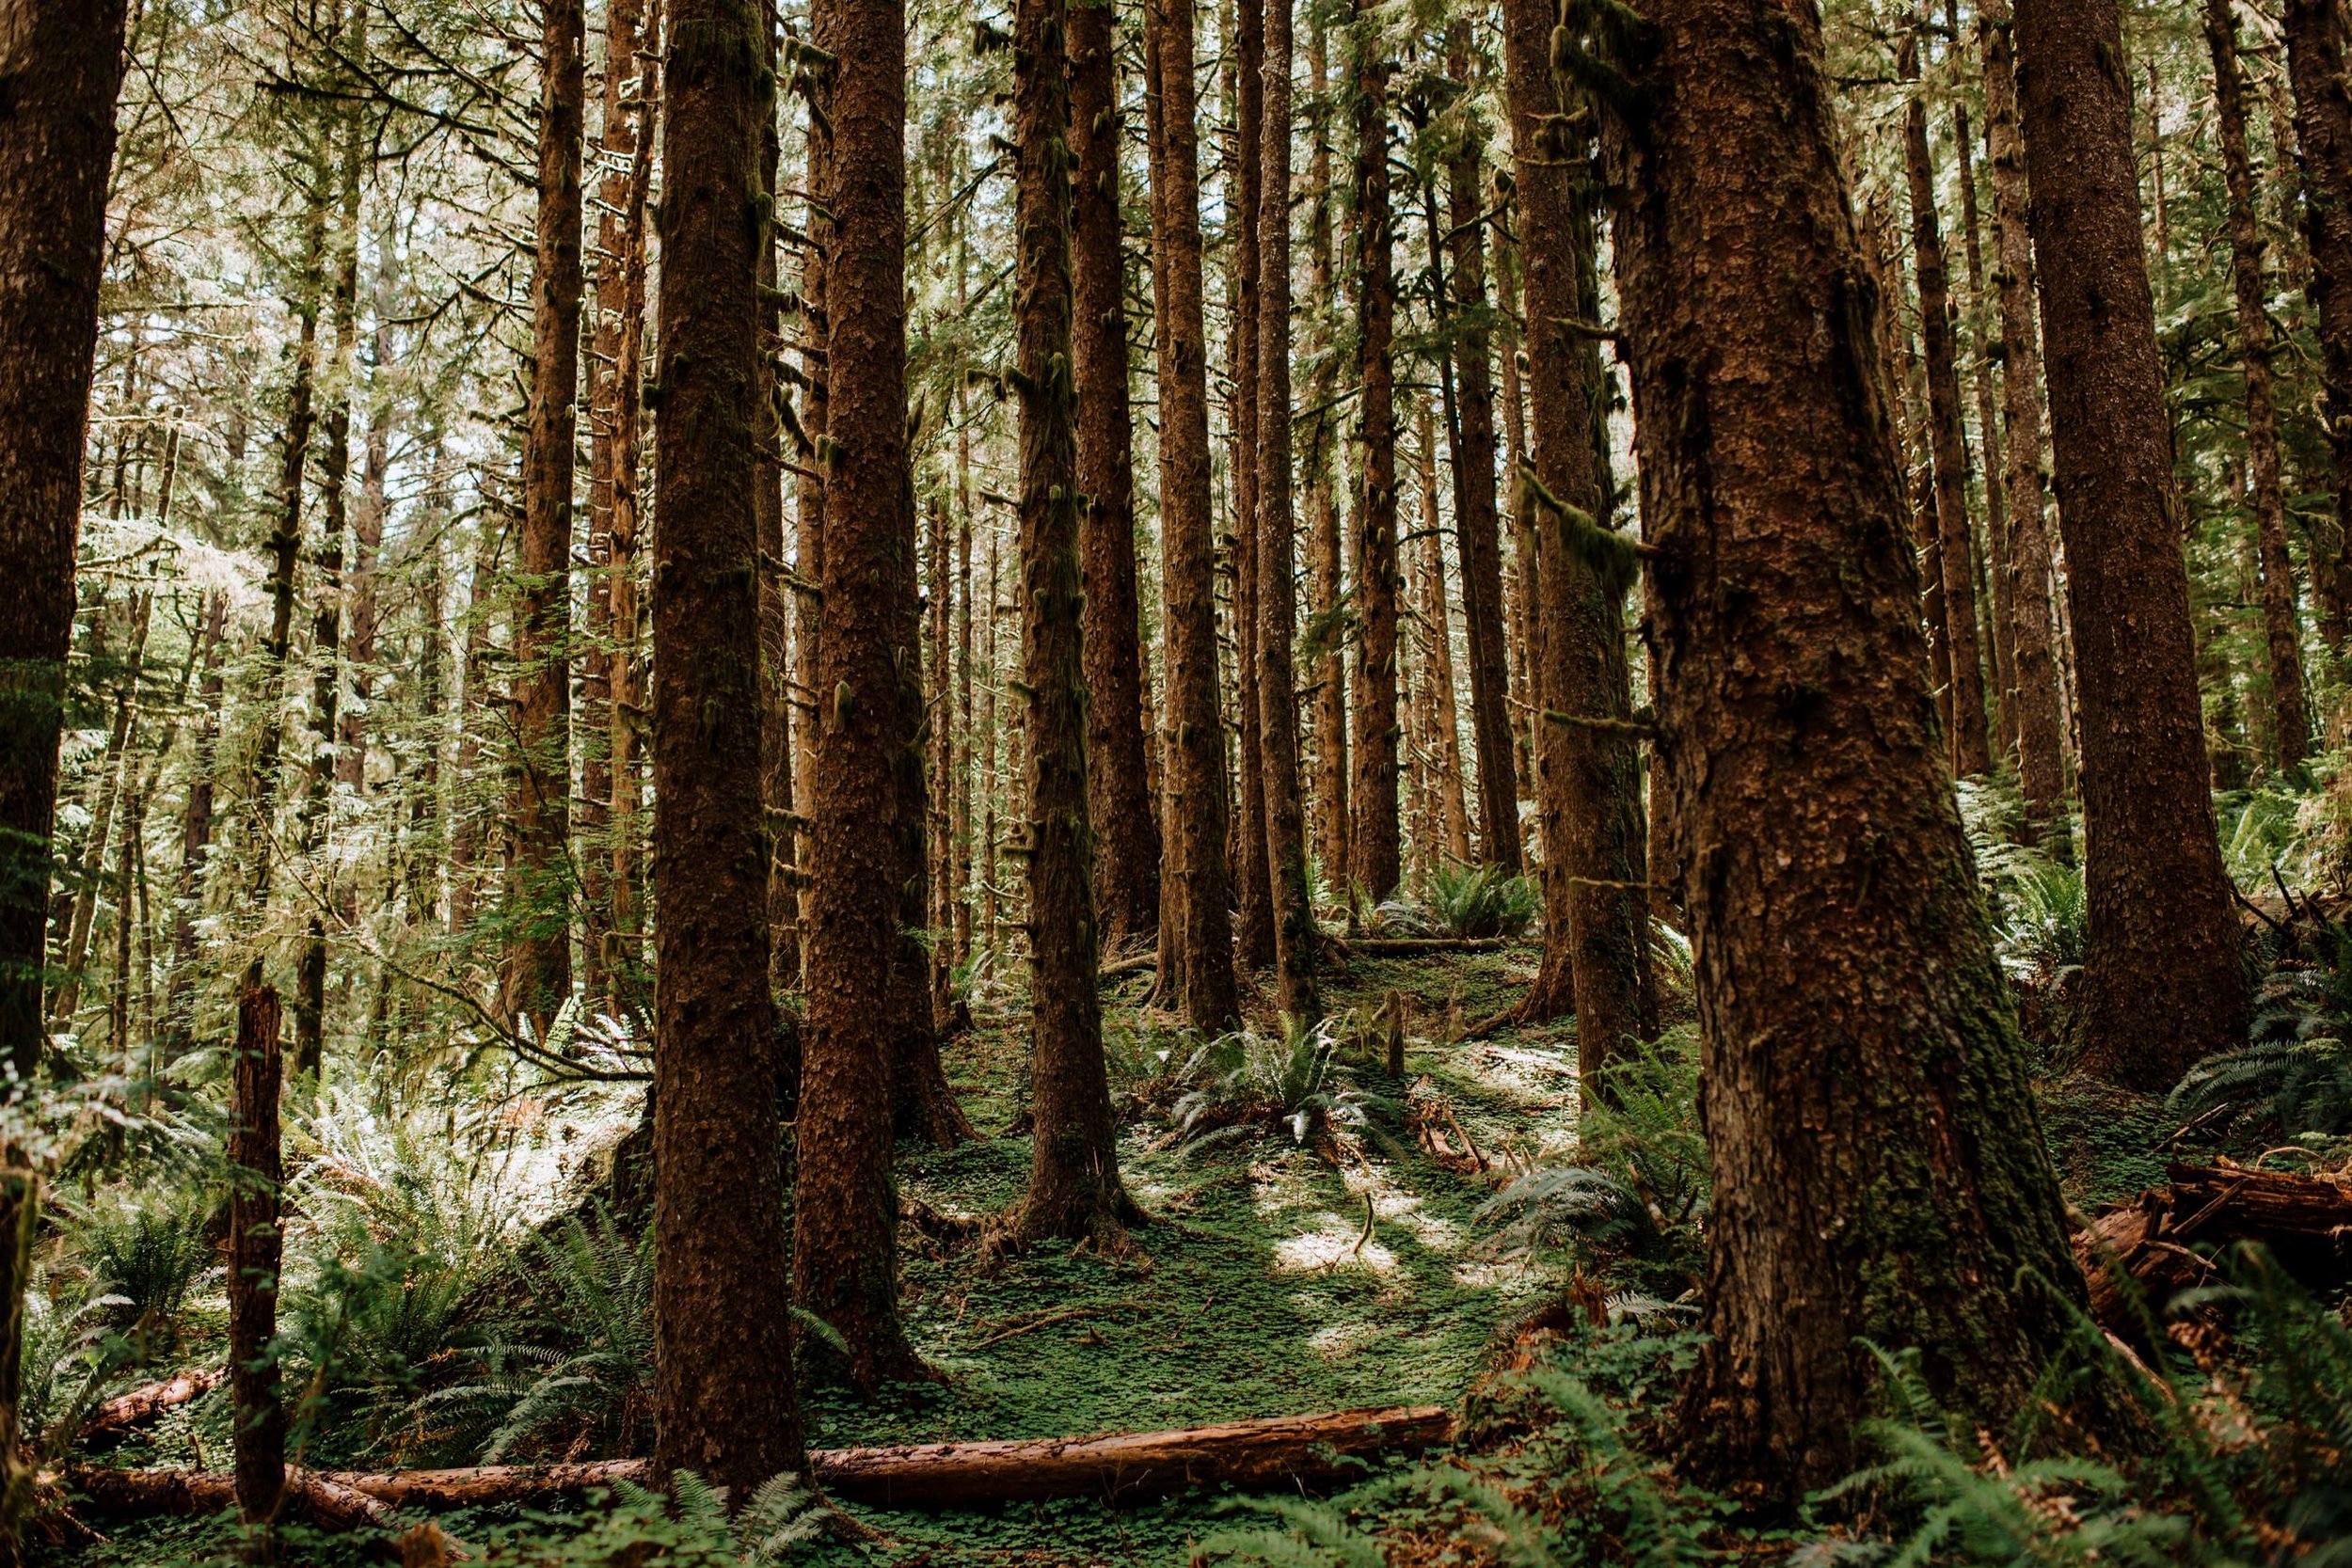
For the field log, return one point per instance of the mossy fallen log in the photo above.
(1257, 1455)
(2151, 1240)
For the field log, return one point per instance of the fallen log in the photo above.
(120, 1415)
(328, 1500)
(1281, 1451)
(2150, 1239)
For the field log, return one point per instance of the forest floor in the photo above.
(1256, 1290)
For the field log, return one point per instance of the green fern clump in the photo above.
(2293, 1079)
(147, 1251)
(1250, 1080)
(576, 1374)
(689, 1528)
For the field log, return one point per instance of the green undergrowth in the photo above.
(1274, 1276)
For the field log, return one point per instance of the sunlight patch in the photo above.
(1333, 1248)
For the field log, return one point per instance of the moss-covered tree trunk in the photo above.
(1375, 854)
(2163, 983)
(2322, 137)
(723, 1399)
(1878, 1165)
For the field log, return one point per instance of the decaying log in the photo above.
(328, 1502)
(119, 1417)
(1281, 1451)
(2150, 1239)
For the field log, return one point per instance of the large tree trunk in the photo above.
(723, 1376)
(1441, 714)
(1285, 827)
(1118, 783)
(2322, 135)
(1477, 523)
(2040, 717)
(2164, 986)
(1946, 441)
(1195, 765)
(2290, 718)
(1588, 774)
(539, 960)
(844, 1222)
(255, 1248)
(1859, 984)
(1374, 857)
(1073, 1178)
(63, 59)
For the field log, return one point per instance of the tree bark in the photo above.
(2290, 717)
(1253, 867)
(1196, 765)
(723, 1374)
(2041, 716)
(1285, 830)
(845, 1221)
(1119, 785)
(1074, 1177)
(255, 1245)
(1947, 443)
(539, 960)
(1477, 523)
(2163, 983)
(1375, 856)
(1766, 462)
(1442, 722)
(1323, 560)
(2322, 135)
(63, 59)
(1588, 781)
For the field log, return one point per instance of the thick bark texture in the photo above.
(2040, 717)
(2322, 134)
(1947, 443)
(1127, 835)
(2290, 716)
(540, 966)
(1278, 599)
(62, 60)
(1328, 674)
(2164, 986)
(844, 1222)
(723, 1372)
(1588, 775)
(1073, 1178)
(255, 1247)
(1844, 962)
(1253, 867)
(1196, 759)
(1375, 856)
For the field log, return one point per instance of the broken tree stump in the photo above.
(1280, 1452)
(255, 1253)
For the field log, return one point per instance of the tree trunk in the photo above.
(195, 822)
(1073, 1178)
(2290, 718)
(1523, 643)
(1477, 524)
(2041, 716)
(1118, 785)
(615, 342)
(114, 772)
(1588, 780)
(2322, 134)
(1285, 828)
(1253, 867)
(315, 820)
(1947, 443)
(1374, 858)
(367, 529)
(1323, 560)
(815, 82)
(63, 59)
(1195, 766)
(539, 959)
(1766, 461)
(722, 1377)
(2000, 606)
(2163, 984)
(1442, 722)
(844, 1222)
(255, 1245)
